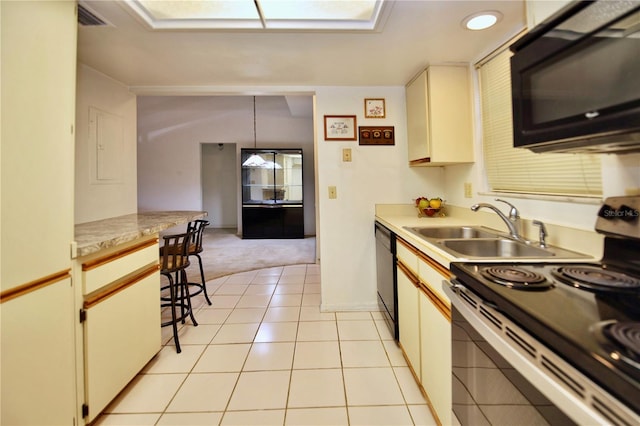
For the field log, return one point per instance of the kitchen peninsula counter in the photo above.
(98, 235)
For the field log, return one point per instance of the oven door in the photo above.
(495, 380)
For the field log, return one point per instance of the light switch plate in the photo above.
(346, 154)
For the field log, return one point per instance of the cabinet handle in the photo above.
(127, 282)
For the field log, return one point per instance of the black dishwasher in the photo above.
(386, 276)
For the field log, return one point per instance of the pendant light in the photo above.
(254, 160)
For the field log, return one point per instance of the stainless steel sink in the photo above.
(449, 232)
(476, 242)
(495, 247)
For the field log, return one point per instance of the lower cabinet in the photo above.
(120, 320)
(435, 350)
(409, 318)
(424, 318)
(38, 363)
(265, 221)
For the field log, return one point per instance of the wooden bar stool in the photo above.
(174, 260)
(195, 248)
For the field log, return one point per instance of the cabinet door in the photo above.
(37, 299)
(417, 118)
(38, 362)
(435, 349)
(121, 334)
(409, 319)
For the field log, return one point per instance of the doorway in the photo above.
(218, 163)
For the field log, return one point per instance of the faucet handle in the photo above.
(543, 233)
(513, 211)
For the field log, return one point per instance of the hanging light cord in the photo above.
(254, 123)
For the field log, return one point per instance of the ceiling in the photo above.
(416, 33)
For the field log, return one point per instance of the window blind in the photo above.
(519, 170)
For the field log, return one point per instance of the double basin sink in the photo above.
(475, 242)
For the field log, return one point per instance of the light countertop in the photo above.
(94, 236)
(396, 217)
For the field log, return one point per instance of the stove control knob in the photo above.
(627, 213)
(607, 212)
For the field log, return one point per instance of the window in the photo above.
(520, 170)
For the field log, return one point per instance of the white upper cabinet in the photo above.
(439, 118)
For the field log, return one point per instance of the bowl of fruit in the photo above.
(430, 207)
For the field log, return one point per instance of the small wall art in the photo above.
(340, 128)
(374, 108)
(376, 135)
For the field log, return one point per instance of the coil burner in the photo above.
(596, 278)
(515, 277)
(621, 339)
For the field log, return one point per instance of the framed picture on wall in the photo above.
(340, 128)
(374, 108)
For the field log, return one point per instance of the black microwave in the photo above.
(575, 80)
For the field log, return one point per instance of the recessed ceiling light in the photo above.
(481, 20)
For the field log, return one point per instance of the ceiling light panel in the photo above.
(243, 14)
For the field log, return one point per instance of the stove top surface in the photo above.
(573, 309)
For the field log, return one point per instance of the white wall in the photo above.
(100, 200)
(377, 175)
(220, 184)
(171, 130)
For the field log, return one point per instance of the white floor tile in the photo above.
(231, 289)
(169, 361)
(311, 288)
(253, 418)
(277, 332)
(316, 388)
(291, 279)
(363, 353)
(204, 392)
(312, 313)
(372, 386)
(264, 289)
(236, 333)
(191, 419)
(327, 416)
(254, 301)
(311, 299)
(225, 301)
(353, 316)
(147, 393)
(282, 314)
(246, 315)
(127, 419)
(192, 335)
(314, 331)
(383, 330)
(289, 288)
(213, 315)
(422, 415)
(317, 355)
(395, 415)
(286, 300)
(260, 390)
(222, 358)
(408, 386)
(394, 353)
(270, 356)
(357, 330)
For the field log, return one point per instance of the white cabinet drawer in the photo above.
(432, 275)
(107, 268)
(407, 255)
(121, 334)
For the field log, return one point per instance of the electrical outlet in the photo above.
(346, 154)
(468, 190)
(333, 193)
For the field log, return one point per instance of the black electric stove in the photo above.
(587, 313)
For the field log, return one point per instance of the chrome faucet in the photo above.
(543, 233)
(513, 221)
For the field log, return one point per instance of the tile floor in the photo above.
(264, 354)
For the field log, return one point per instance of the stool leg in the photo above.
(172, 292)
(204, 284)
(185, 286)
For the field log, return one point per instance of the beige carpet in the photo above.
(226, 253)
